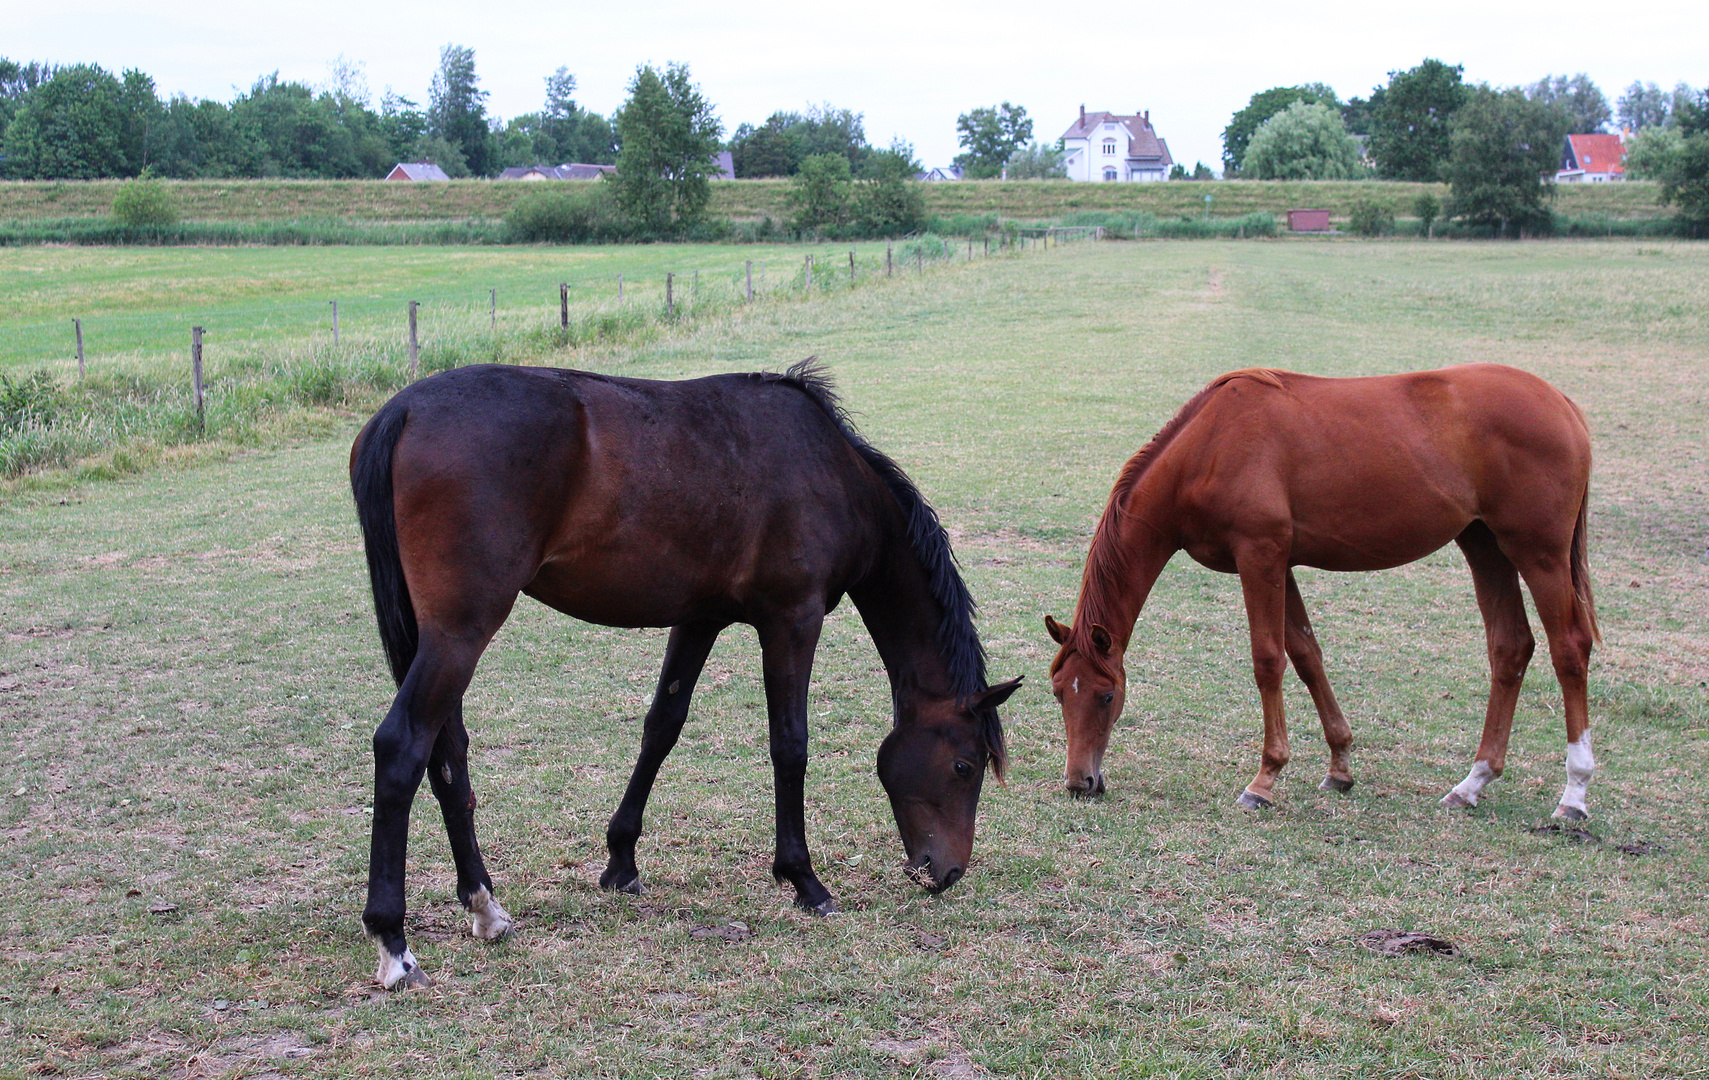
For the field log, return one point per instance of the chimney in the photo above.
(1148, 118)
(1082, 114)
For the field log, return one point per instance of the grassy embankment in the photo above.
(464, 201)
(189, 674)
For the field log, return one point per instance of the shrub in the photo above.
(31, 402)
(145, 202)
(1426, 208)
(1370, 219)
(565, 217)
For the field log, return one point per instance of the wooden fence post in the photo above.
(987, 247)
(78, 323)
(750, 272)
(887, 260)
(619, 288)
(851, 266)
(335, 324)
(670, 301)
(970, 249)
(494, 310)
(196, 376)
(920, 259)
(414, 345)
(809, 272)
(563, 305)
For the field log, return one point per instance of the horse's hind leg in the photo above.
(1508, 637)
(1307, 656)
(685, 655)
(431, 695)
(1263, 582)
(1570, 638)
(448, 773)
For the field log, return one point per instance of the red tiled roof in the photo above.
(1595, 154)
(1143, 143)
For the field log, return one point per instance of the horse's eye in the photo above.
(1107, 696)
(963, 769)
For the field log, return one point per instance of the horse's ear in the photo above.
(996, 695)
(1058, 632)
(1101, 640)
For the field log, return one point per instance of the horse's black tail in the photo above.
(371, 483)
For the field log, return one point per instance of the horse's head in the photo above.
(932, 765)
(1090, 683)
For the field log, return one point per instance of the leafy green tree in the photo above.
(1426, 208)
(670, 140)
(1409, 128)
(786, 139)
(1303, 142)
(887, 198)
(1585, 105)
(145, 202)
(820, 191)
(1678, 157)
(1263, 105)
(991, 136)
(1644, 105)
(1501, 146)
(457, 108)
(1037, 161)
(402, 124)
(1360, 113)
(70, 127)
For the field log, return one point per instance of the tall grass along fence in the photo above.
(124, 385)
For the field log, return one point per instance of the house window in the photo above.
(1110, 147)
(1109, 174)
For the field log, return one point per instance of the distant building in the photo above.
(416, 170)
(726, 165)
(1592, 159)
(1106, 146)
(572, 171)
(940, 175)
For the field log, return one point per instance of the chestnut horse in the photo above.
(1265, 470)
(692, 505)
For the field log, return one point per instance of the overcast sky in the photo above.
(911, 68)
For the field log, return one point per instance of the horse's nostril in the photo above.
(952, 877)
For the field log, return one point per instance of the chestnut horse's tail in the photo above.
(371, 483)
(1581, 570)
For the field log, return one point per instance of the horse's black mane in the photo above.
(958, 640)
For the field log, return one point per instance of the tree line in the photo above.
(1496, 147)
(82, 122)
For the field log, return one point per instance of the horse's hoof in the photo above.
(1455, 799)
(1249, 801)
(487, 920)
(395, 971)
(612, 882)
(1335, 783)
(1570, 813)
(827, 906)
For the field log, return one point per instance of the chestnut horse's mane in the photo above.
(1107, 563)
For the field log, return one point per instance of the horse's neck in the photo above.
(1126, 559)
(896, 604)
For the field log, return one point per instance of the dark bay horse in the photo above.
(692, 505)
(1266, 470)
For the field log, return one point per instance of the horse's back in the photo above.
(1380, 470)
(628, 501)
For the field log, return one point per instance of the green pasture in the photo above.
(189, 674)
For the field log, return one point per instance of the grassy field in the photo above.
(463, 200)
(189, 674)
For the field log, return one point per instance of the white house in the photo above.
(1106, 146)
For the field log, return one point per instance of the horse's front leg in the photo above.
(788, 644)
(1307, 656)
(1263, 583)
(685, 656)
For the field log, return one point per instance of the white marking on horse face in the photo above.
(392, 968)
(1581, 766)
(1473, 785)
(445, 771)
(487, 920)
(1076, 684)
